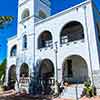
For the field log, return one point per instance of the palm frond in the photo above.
(4, 20)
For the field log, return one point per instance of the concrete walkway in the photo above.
(84, 98)
(11, 95)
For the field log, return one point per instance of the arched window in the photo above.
(45, 39)
(13, 51)
(25, 41)
(25, 14)
(71, 32)
(42, 14)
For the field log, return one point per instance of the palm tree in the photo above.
(5, 20)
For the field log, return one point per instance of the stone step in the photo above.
(72, 92)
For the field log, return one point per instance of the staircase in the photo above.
(72, 91)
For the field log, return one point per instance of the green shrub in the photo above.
(88, 90)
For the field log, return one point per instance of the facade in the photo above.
(63, 47)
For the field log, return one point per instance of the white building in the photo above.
(65, 46)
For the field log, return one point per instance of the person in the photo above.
(59, 87)
(17, 85)
(65, 83)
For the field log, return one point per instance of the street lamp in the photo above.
(56, 51)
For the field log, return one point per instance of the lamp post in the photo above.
(56, 68)
(56, 51)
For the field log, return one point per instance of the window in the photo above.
(25, 41)
(13, 51)
(71, 32)
(42, 14)
(25, 14)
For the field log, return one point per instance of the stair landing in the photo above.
(72, 91)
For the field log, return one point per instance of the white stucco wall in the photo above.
(11, 60)
(86, 48)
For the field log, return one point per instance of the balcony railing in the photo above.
(65, 40)
(46, 44)
(49, 43)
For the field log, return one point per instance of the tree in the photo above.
(5, 20)
(3, 68)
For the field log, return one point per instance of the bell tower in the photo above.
(31, 11)
(37, 9)
(42, 9)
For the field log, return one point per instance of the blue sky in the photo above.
(9, 7)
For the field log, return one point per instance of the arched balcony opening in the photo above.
(45, 40)
(42, 14)
(25, 14)
(72, 31)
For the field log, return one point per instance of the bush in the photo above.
(88, 90)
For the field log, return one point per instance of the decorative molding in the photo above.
(46, 3)
(24, 2)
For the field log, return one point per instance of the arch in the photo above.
(75, 69)
(44, 76)
(45, 40)
(42, 14)
(25, 41)
(46, 69)
(24, 70)
(13, 50)
(72, 31)
(25, 14)
(12, 77)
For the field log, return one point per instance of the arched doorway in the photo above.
(46, 69)
(46, 75)
(24, 70)
(12, 77)
(75, 69)
(24, 78)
